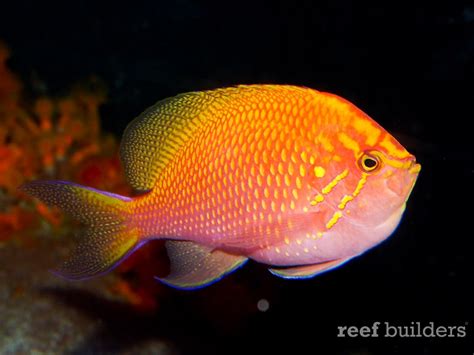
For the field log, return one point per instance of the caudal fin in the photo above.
(108, 239)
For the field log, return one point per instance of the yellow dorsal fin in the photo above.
(152, 139)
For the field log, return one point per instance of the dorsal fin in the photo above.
(151, 140)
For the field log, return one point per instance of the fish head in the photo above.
(380, 180)
(387, 183)
(367, 188)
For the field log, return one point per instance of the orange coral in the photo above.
(60, 138)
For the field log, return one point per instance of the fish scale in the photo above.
(255, 170)
(291, 177)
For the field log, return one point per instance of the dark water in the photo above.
(409, 67)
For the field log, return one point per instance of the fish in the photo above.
(294, 178)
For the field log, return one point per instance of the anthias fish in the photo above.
(288, 176)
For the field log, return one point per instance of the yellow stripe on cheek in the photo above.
(328, 188)
(354, 194)
(344, 201)
(335, 217)
(360, 184)
(317, 199)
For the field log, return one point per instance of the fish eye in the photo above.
(369, 162)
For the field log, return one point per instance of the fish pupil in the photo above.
(370, 163)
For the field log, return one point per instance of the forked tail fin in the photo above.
(108, 239)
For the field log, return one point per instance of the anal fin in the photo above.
(307, 271)
(193, 266)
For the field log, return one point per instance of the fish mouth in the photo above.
(412, 166)
(402, 184)
(413, 171)
(415, 168)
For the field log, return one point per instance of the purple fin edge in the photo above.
(198, 287)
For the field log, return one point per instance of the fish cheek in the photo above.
(375, 204)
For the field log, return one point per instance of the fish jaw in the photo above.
(346, 240)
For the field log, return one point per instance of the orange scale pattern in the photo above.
(247, 174)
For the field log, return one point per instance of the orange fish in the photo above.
(288, 176)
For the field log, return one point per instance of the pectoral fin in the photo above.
(307, 271)
(194, 266)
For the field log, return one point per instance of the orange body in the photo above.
(284, 175)
(272, 175)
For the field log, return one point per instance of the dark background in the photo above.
(410, 67)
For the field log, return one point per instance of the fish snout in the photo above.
(414, 167)
(402, 182)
